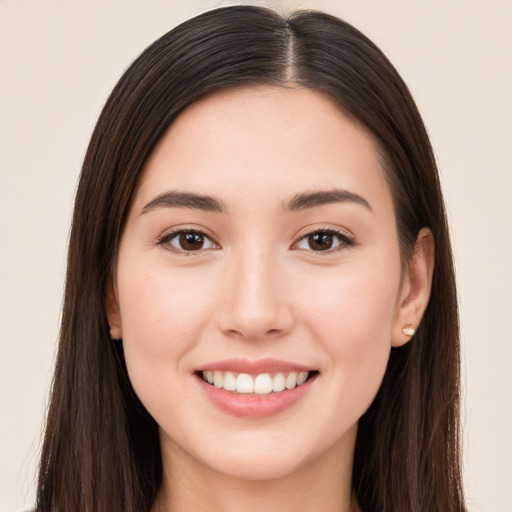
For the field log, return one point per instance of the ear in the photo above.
(415, 291)
(113, 313)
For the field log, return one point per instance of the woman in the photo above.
(260, 308)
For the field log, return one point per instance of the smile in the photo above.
(259, 384)
(255, 389)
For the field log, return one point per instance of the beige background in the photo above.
(59, 60)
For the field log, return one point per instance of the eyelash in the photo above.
(345, 240)
(166, 238)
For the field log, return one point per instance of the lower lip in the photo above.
(252, 405)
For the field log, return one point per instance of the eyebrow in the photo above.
(299, 202)
(324, 197)
(174, 199)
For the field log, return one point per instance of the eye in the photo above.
(324, 240)
(186, 241)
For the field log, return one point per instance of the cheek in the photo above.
(353, 317)
(162, 317)
(357, 303)
(162, 307)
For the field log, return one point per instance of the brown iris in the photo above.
(320, 241)
(191, 241)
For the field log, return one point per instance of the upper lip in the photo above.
(255, 367)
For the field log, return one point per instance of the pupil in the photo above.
(320, 241)
(191, 241)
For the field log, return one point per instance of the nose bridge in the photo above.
(255, 305)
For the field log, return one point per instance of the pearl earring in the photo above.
(409, 330)
(111, 333)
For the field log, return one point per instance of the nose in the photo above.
(255, 304)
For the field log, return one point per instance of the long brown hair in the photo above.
(101, 450)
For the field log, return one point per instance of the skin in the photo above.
(258, 290)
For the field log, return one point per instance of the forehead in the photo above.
(264, 142)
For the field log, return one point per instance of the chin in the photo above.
(259, 467)
(271, 456)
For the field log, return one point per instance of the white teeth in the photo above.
(261, 384)
(278, 382)
(291, 380)
(218, 379)
(301, 378)
(244, 383)
(229, 381)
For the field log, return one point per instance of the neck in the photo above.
(323, 484)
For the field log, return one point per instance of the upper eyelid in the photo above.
(325, 228)
(164, 240)
(171, 233)
(347, 240)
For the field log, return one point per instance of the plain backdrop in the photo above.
(58, 62)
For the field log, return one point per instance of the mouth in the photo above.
(264, 383)
(255, 389)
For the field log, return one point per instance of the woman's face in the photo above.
(261, 245)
